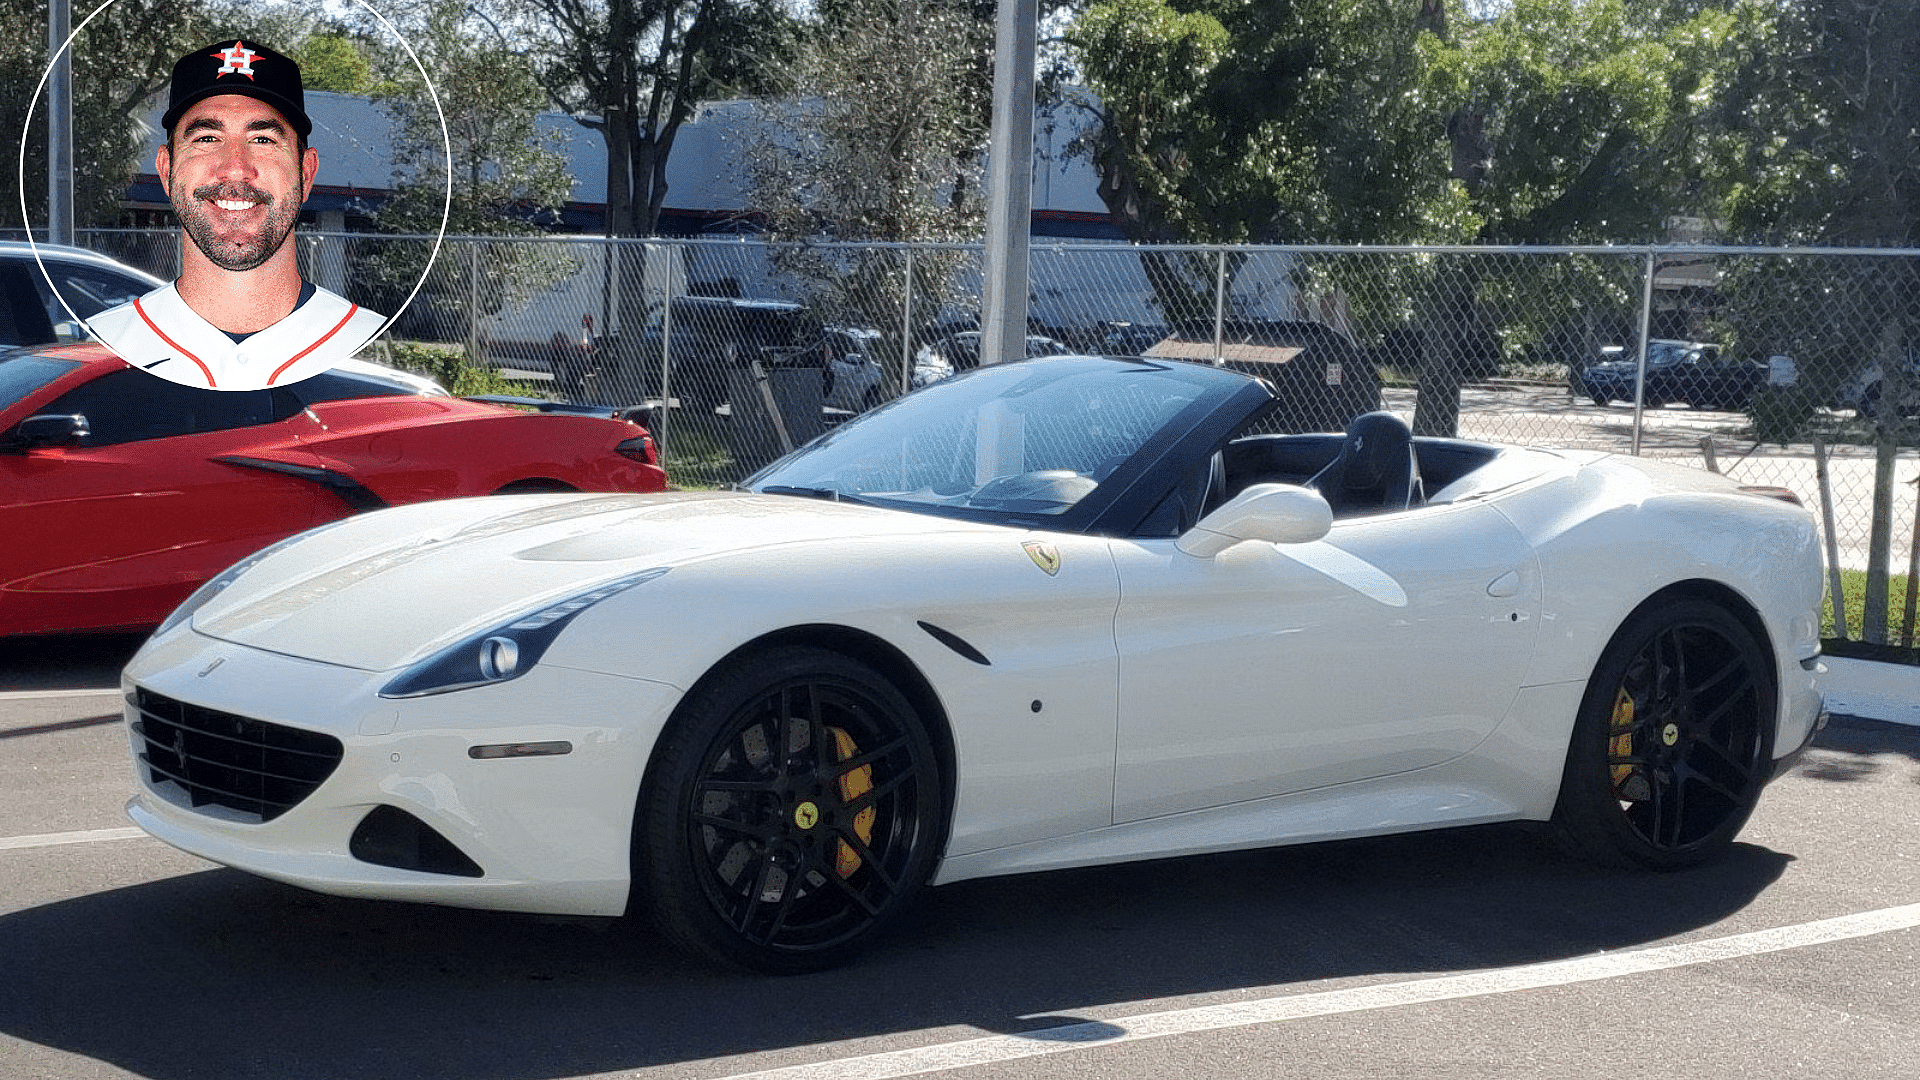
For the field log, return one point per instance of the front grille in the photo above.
(220, 759)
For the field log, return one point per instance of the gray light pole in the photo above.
(59, 127)
(1003, 303)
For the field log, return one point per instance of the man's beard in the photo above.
(245, 254)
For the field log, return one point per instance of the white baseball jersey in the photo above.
(158, 332)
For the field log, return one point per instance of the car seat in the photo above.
(1375, 471)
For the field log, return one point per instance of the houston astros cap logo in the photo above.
(250, 70)
(238, 59)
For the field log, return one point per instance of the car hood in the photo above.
(386, 589)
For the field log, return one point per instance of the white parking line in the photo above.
(999, 1048)
(91, 836)
(29, 695)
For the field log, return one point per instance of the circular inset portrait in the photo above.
(242, 154)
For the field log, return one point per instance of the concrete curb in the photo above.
(1871, 689)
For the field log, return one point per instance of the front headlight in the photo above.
(506, 650)
(232, 574)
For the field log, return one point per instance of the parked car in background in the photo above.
(1120, 338)
(122, 492)
(1691, 373)
(1868, 393)
(957, 352)
(850, 368)
(710, 342)
(33, 313)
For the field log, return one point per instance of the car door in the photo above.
(1396, 642)
(117, 529)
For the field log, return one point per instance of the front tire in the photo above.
(794, 808)
(1673, 742)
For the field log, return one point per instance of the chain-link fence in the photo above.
(1798, 368)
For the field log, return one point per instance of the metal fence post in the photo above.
(1646, 330)
(666, 366)
(473, 301)
(1219, 306)
(906, 329)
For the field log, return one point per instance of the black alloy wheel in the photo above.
(794, 808)
(1674, 740)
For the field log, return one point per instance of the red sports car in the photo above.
(121, 492)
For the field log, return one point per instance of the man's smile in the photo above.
(237, 225)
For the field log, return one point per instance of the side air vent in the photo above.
(955, 642)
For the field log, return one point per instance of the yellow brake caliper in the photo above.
(852, 786)
(1621, 745)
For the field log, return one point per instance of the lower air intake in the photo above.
(389, 836)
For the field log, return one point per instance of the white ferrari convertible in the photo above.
(1067, 611)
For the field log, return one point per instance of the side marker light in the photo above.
(495, 751)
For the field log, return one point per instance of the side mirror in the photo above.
(39, 432)
(1275, 513)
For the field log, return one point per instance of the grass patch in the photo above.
(1853, 589)
(697, 459)
(448, 365)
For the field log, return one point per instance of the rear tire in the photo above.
(1673, 742)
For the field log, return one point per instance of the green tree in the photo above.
(332, 61)
(1569, 121)
(1304, 120)
(1574, 120)
(877, 137)
(508, 176)
(878, 134)
(634, 71)
(1815, 143)
(123, 57)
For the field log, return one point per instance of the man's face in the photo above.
(237, 177)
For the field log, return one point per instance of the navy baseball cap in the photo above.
(238, 67)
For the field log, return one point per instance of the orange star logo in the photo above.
(238, 60)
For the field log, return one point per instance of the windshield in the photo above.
(1029, 438)
(1662, 354)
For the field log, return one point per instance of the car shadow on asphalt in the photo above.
(1852, 749)
(65, 661)
(217, 973)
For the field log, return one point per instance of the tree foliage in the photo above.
(879, 131)
(1578, 116)
(332, 61)
(634, 71)
(878, 135)
(122, 57)
(508, 176)
(1815, 142)
(1282, 122)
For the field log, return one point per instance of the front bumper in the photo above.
(549, 834)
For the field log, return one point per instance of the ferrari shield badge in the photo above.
(1044, 555)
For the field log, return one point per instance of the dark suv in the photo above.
(707, 339)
